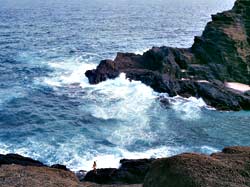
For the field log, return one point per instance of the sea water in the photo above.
(49, 111)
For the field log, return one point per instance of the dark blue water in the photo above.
(49, 111)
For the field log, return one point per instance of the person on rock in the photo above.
(94, 167)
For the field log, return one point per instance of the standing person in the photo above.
(94, 167)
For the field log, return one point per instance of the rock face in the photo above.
(221, 54)
(130, 172)
(230, 168)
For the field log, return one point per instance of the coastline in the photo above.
(226, 168)
(218, 56)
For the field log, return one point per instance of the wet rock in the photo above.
(218, 97)
(105, 70)
(230, 168)
(130, 172)
(221, 54)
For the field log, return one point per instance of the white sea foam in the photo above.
(130, 103)
(130, 94)
(67, 154)
(188, 108)
(113, 160)
(132, 97)
(67, 71)
(127, 101)
(209, 149)
(140, 52)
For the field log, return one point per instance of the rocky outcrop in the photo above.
(130, 172)
(230, 168)
(16, 170)
(19, 160)
(31, 176)
(221, 54)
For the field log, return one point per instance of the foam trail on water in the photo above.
(128, 102)
(186, 108)
(128, 94)
(208, 149)
(67, 71)
(69, 156)
(114, 159)
(140, 52)
(124, 110)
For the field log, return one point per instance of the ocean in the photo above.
(49, 111)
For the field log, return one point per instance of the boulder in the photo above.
(31, 176)
(230, 168)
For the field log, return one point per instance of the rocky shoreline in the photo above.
(218, 57)
(229, 168)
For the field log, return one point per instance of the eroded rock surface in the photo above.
(230, 168)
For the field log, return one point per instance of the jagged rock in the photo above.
(130, 172)
(106, 70)
(230, 168)
(221, 54)
(222, 98)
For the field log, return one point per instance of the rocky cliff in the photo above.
(220, 55)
